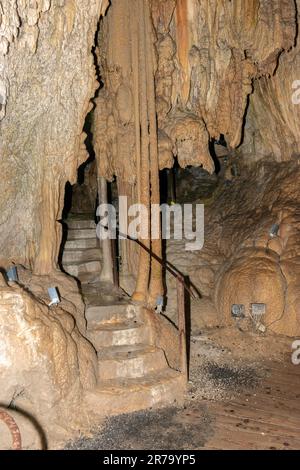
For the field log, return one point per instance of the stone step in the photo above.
(80, 224)
(79, 256)
(97, 315)
(130, 362)
(119, 396)
(79, 233)
(77, 269)
(119, 334)
(81, 244)
(89, 279)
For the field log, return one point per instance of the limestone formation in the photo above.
(208, 55)
(127, 88)
(204, 63)
(47, 81)
(275, 101)
(125, 124)
(241, 263)
(45, 362)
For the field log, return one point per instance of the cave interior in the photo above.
(108, 110)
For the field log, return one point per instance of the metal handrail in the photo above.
(165, 263)
(181, 287)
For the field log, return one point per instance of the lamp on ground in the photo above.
(159, 304)
(54, 296)
(238, 311)
(274, 231)
(12, 274)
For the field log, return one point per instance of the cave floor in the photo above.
(232, 402)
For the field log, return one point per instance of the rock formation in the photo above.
(275, 101)
(164, 80)
(47, 79)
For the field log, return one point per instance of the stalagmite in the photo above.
(141, 291)
(47, 257)
(155, 287)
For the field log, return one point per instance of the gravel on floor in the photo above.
(168, 429)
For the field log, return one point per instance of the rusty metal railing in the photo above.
(182, 328)
(13, 428)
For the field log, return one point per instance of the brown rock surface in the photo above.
(176, 75)
(275, 101)
(45, 363)
(47, 79)
(240, 262)
(45, 86)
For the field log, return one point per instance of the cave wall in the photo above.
(207, 57)
(273, 120)
(240, 262)
(45, 363)
(47, 78)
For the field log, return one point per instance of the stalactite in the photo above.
(125, 125)
(41, 124)
(142, 282)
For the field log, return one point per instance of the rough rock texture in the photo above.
(47, 80)
(275, 101)
(240, 262)
(202, 58)
(125, 124)
(45, 363)
(165, 337)
(255, 56)
(176, 74)
(208, 55)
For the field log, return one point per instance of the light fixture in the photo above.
(159, 304)
(238, 311)
(12, 274)
(274, 231)
(54, 296)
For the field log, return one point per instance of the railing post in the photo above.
(107, 273)
(182, 327)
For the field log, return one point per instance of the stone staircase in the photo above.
(82, 253)
(133, 374)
